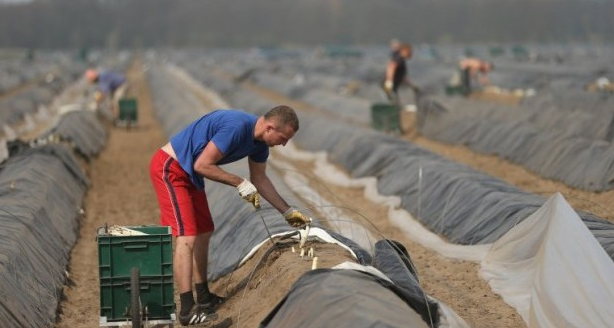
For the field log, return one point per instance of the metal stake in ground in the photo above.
(265, 226)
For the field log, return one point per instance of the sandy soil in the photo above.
(121, 194)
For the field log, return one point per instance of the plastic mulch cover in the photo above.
(552, 270)
(569, 142)
(82, 129)
(175, 107)
(15, 107)
(348, 108)
(393, 260)
(342, 298)
(41, 192)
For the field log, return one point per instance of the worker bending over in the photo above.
(473, 70)
(178, 171)
(110, 85)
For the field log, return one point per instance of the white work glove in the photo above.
(249, 192)
(388, 86)
(295, 218)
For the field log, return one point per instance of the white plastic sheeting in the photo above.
(553, 271)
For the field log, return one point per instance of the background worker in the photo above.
(396, 72)
(473, 69)
(178, 170)
(110, 85)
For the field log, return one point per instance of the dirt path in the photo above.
(120, 193)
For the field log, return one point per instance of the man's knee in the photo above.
(186, 242)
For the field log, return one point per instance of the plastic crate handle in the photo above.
(135, 244)
(142, 285)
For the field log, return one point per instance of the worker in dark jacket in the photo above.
(396, 71)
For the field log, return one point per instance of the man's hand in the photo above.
(388, 86)
(295, 218)
(249, 192)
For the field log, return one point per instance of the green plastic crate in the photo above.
(128, 110)
(153, 255)
(385, 117)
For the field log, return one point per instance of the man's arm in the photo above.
(390, 68)
(206, 165)
(265, 187)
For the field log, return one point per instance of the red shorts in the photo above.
(183, 207)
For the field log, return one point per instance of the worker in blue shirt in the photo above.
(110, 85)
(178, 170)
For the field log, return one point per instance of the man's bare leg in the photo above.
(201, 258)
(182, 262)
(183, 267)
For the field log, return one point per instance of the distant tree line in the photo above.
(198, 23)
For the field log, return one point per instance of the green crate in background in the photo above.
(385, 117)
(128, 110)
(152, 254)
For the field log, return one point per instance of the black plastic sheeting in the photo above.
(83, 130)
(24, 102)
(175, 107)
(393, 260)
(41, 191)
(342, 298)
(568, 138)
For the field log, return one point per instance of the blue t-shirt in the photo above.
(232, 131)
(109, 81)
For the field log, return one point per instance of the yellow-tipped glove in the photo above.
(295, 218)
(249, 192)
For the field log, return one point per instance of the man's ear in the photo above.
(270, 125)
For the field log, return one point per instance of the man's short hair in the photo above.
(285, 115)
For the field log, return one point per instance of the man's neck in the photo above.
(259, 129)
